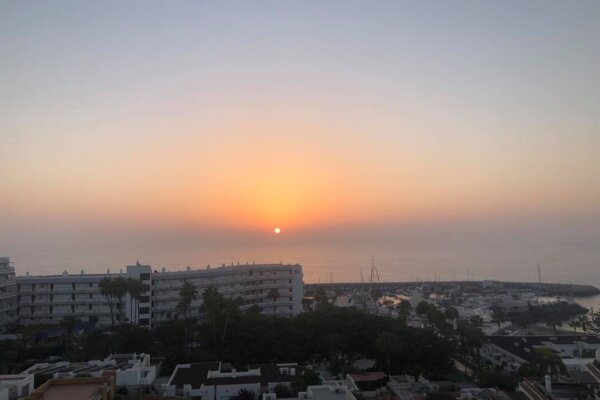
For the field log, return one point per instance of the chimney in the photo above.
(548, 381)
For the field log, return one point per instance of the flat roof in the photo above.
(72, 391)
(368, 376)
(196, 374)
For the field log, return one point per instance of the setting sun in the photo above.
(277, 231)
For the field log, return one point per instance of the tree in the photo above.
(218, 312)
(422, 310)
(304, 379)
(388, 343)
(68, 325)
(476, 321)
(244, 394)
(306, 303)
(574, 324)
(471, 337)
(135, 288)
(187, 294)
(584, 322)
(232, 306)
(282, 391)
(404, 308)
(547, 361)
(452, 314)
(212, 304)
(119, 291)
(274, 295)
(498, 317)
(93, 320)
(321, 297)
(106, 286)
(553, 322)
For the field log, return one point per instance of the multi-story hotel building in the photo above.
(8, 293)
(47, 299)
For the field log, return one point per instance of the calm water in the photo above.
(577, 263)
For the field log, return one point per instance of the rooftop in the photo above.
(74, 388)
(525, 346)
(215, 373)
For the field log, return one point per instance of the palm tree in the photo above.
(306, 304)
(498, 317)
(547, 361)
(232, 306)
(106, 286)
(553, 322)
(584, 322)
(477, 321)
(321, 297)
(422, 310)
(119, 292)
(135, 288)
(404, 308)
(187, 294)
(244, 394)
(273, 295)
(212, 305)
(574, 324)
(452, 314)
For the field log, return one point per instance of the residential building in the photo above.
(131, 370)
(85, 388)
(550, 390)
(8, 294)
(47, 299)
(511, 352)
(220, 381)
(369, 382)
(15, 386)
(333, 391)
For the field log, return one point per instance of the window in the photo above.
(144, 299)
(145, 276)
(144, 310)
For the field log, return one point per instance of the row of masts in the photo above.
(374, 275)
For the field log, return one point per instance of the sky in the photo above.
(338, 121)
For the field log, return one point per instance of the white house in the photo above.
(131, 369)
(15, 386)
(220, 381)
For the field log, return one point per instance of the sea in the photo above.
(566, 263)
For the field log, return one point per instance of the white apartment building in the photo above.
(8, 294)
(47, 299)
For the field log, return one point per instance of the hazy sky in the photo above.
(226, 119)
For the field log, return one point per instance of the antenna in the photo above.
(374, 272)
(539, 274)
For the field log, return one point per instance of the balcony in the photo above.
(8, 282)
(7, 295)
(8, 307)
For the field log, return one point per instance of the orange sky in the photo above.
(318, 117)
